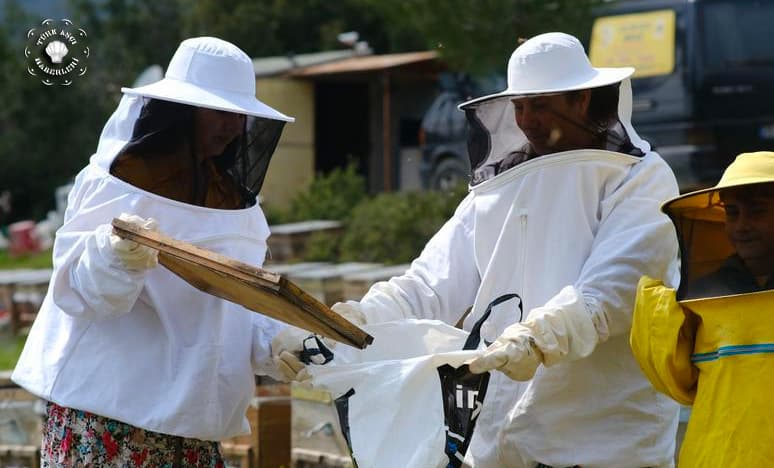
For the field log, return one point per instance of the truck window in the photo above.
(736, 35)
(645, 41)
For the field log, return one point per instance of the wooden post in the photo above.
(386, 134)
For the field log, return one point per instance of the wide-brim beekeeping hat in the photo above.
(211, 73)
(552, 63)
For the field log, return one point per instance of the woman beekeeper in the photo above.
(140, 368)
(563, 210)
(710, 343)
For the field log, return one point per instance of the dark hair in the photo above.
(603, 106)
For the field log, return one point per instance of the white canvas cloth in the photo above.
(396, 414)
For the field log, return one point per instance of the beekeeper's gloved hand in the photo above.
(287, 345)
(560, 331)
(134, 256)
(350, 310)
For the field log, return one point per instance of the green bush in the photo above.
(322, 246)
(393, 228)
(330, 196)
(274, 215)
(389, 228)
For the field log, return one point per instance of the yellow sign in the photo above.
(645, 41)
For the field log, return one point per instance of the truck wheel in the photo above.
(448, 174)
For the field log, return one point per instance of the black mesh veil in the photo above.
(164, 127)
(496, 143)
(161, 127)
(252, 158)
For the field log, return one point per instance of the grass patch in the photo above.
(11, 346)
(10, 349)
(38, 260)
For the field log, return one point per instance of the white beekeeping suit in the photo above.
(123, 340)
(571, 233)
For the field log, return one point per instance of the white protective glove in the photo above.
(133, 256)
(287, 345)
(560, 331)
(285, 349)
(350, 310)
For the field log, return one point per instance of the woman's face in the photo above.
(214, 130)
(552, 123)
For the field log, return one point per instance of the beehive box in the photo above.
(290, 269)
(317, 438)
(21, 293)
(355, 285)
(21, 422)
(288, 241)
(326, 284)
(268, 444)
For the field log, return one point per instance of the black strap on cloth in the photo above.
(308, 353)
(463, 393)
(342, 409)
(463, 396)
(475, 333)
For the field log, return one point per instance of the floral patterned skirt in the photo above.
(74, 438)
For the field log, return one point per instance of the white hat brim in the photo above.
(603, 77)
(169, 89)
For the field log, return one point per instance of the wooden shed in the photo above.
(349, 106)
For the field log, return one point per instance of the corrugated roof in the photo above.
(267, 66)
(365, 63)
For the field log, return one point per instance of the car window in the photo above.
(443, 119)
(745, 39)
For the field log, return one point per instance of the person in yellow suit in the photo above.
(710, 343)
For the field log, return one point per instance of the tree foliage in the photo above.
(479, 35)
(45, 130)
(126, 36)
(280, 27)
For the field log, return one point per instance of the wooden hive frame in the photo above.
(252, 287)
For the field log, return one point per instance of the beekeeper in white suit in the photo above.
(563, 210)
(138, 367)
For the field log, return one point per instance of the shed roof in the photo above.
(365, 63)
(277, 65)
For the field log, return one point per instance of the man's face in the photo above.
(554, 123)
(750, 227)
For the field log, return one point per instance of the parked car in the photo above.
(443, 132)
(704, 82)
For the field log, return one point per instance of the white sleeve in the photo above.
(440, 284)
(264, 330)
(91, 283)
(634, 239)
